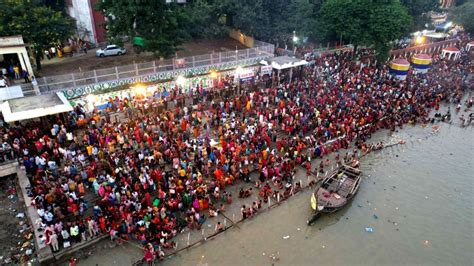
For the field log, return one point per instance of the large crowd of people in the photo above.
(161, 170)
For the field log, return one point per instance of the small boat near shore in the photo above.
(335, 191)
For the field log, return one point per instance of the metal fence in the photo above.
(63, 82)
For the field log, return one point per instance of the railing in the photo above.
(78, 79)
(425, 48)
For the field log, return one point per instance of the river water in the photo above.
(417, 198)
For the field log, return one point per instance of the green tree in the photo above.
(40, 26)
(249, 16)
(347, 19)
(300, 18)
(387, 22)
(463, 15)
(159, 23)
(419, 9)
(204, 19)
(366, 22)
(272, 20)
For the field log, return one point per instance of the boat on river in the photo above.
(335, 191)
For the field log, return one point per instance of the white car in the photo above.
(110, 50)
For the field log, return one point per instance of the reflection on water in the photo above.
(417, 197)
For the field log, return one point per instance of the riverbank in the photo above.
(266, 231)
(416, 197)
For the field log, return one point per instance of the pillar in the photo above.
(22, 61)
(26, 65)
(26, 59)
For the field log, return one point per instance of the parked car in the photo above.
(110, 50)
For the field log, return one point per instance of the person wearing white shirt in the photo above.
(53, 241)
(48, 216)
(3, 82)
(65, 234)
(69, 136)
(40, 212)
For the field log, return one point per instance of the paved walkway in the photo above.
(8, 168)
(42, 250)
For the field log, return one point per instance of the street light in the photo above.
(139, 89)
(420, 40)
(213, 74)
(295, 40)
(239, 70)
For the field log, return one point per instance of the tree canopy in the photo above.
(273, 20)
(419, 9)
(166, 26)
(204, 19)
(366, 22)
(159, 23)
(463, 15)
(39, 25)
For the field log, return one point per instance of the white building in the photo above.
(89, 22)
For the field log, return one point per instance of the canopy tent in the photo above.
(451, 53)
(421, 62)
(34, 107)
(469, 45)
(284, 62)
(399, 68)
(436, 36)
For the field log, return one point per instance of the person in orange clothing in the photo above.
(218, 174)
(248, 105)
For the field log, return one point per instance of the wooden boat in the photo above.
(335, 191)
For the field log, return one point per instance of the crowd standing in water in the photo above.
(159, 172)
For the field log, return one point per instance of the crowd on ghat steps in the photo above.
(159, 172)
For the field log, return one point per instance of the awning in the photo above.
(436, 35)
(35, 106)
(284, 62)
(11, 92)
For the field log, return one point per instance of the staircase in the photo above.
(28, 89)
